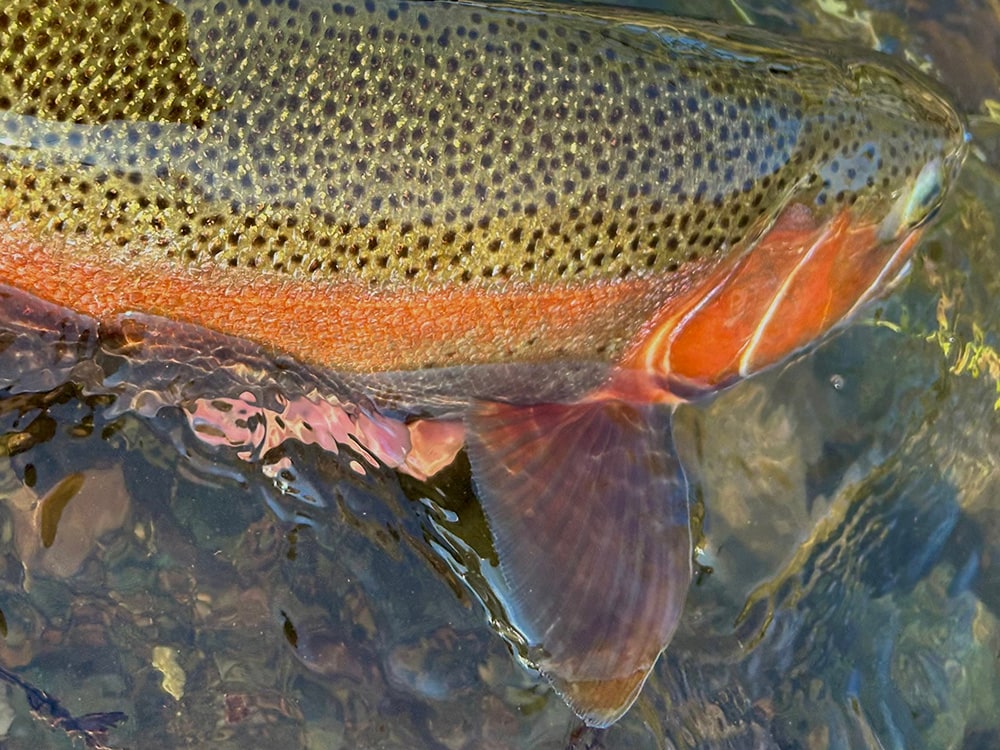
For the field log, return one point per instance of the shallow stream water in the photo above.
(847, 504)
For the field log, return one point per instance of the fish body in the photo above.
(456, 204)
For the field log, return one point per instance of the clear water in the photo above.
(848, 508)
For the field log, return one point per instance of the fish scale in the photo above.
(391, 143)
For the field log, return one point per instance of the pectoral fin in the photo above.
(587, 504)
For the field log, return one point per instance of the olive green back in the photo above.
(412, 143)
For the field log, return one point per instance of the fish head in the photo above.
(847, 182)
(886, 145)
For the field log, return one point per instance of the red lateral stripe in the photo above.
(339, 325)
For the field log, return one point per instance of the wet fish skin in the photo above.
(555, 174)
(391, 189)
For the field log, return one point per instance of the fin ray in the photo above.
(587, 505)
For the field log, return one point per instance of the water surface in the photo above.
(849, 532)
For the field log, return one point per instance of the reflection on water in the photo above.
(848, 532)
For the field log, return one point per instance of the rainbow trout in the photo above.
(539, 225)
